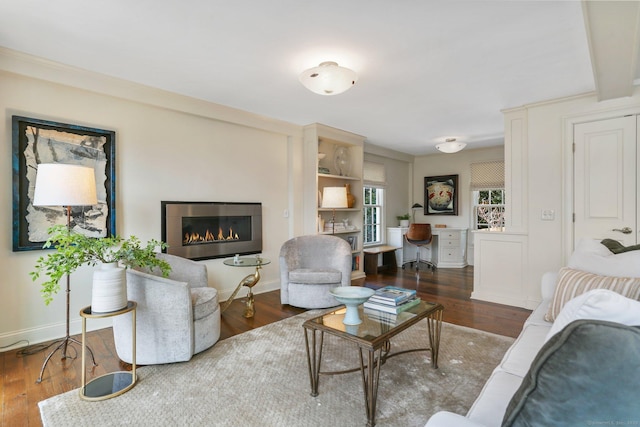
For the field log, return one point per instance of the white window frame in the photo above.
(380, 206)
(477, 225)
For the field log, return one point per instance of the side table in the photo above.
(114, 383)
(249, 281)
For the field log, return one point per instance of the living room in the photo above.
(175, 147)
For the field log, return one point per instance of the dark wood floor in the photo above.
(19, 393)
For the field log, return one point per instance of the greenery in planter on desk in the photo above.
(403, 217)
(73, 250)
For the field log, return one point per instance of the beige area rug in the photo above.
(260, 378)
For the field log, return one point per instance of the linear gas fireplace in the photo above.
(205, 230)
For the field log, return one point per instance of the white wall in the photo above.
(398, 177)
(168, 147)
(550, 186)
(452, 164)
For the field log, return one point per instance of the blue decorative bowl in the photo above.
(351, 297)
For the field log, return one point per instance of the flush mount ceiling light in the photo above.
(328, 78)
(450, 146)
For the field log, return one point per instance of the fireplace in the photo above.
(206, 230)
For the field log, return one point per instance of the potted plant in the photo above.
(113, 254)
(404, 220)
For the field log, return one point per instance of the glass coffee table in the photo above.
(372, 337)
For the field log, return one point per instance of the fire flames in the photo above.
(209, 237)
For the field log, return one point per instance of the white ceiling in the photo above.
(427, 69)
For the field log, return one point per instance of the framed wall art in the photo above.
(441, 195)
(36, 141)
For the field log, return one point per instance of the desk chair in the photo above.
(419, 235)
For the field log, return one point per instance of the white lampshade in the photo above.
(328, 78)
(450, 146)
(334, 197)
(59, 184)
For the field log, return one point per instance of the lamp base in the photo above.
(63, 346)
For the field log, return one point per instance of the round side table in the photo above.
(114, 383)
(249, 281)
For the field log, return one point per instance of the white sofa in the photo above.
(590, 256)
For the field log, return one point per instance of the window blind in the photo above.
(374, 173)
(487, 175)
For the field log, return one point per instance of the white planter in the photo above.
(109, 291)
(404, 223)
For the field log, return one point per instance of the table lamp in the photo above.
(59, 184)
(334, 198)
(413, 208)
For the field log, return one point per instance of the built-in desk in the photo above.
(448, 248)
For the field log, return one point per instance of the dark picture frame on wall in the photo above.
(441, 195)
(36, 141)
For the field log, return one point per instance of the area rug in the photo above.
(261, 378)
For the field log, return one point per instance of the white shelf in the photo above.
(325, 175)
(342, 232)
(339, 210)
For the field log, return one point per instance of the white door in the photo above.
(605, 180)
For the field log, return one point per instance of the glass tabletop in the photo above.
(375, 324)
(243, 261)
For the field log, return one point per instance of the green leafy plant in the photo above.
(403, 217)
(73, 250)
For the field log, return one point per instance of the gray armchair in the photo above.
(176, 317)
(310, 266)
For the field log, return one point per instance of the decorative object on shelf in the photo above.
(342, 161)
(450, 146)
(334, 198)
(328, 78)
(441, 195)
(322, 169)
(351, 297)
(351, 199)
(415, 207)
(404, 220)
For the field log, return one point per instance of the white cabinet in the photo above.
(448, 248)
(326, 172)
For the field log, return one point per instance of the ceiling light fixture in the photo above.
(328, 78)
(450, 146)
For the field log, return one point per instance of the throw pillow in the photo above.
(586, 374)
(617, 247)
(598, 304)
(572, 283)
(592, 256)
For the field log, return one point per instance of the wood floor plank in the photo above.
(20, 394)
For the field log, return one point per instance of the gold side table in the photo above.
(115, 383)
(249, 281)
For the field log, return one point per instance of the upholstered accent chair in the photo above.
(177, 316)
(310, 266)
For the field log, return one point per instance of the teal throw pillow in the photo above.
(587, 374)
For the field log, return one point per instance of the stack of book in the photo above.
(391, 300)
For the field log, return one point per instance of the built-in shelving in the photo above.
(323, 139)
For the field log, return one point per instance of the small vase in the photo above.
(109, 292)
(351, 199)
(404, 223)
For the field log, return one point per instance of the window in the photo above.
(488, 208)
(373, 203)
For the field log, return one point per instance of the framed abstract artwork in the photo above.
(36, 141)
(441, 195)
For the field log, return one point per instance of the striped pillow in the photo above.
(572, 283)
